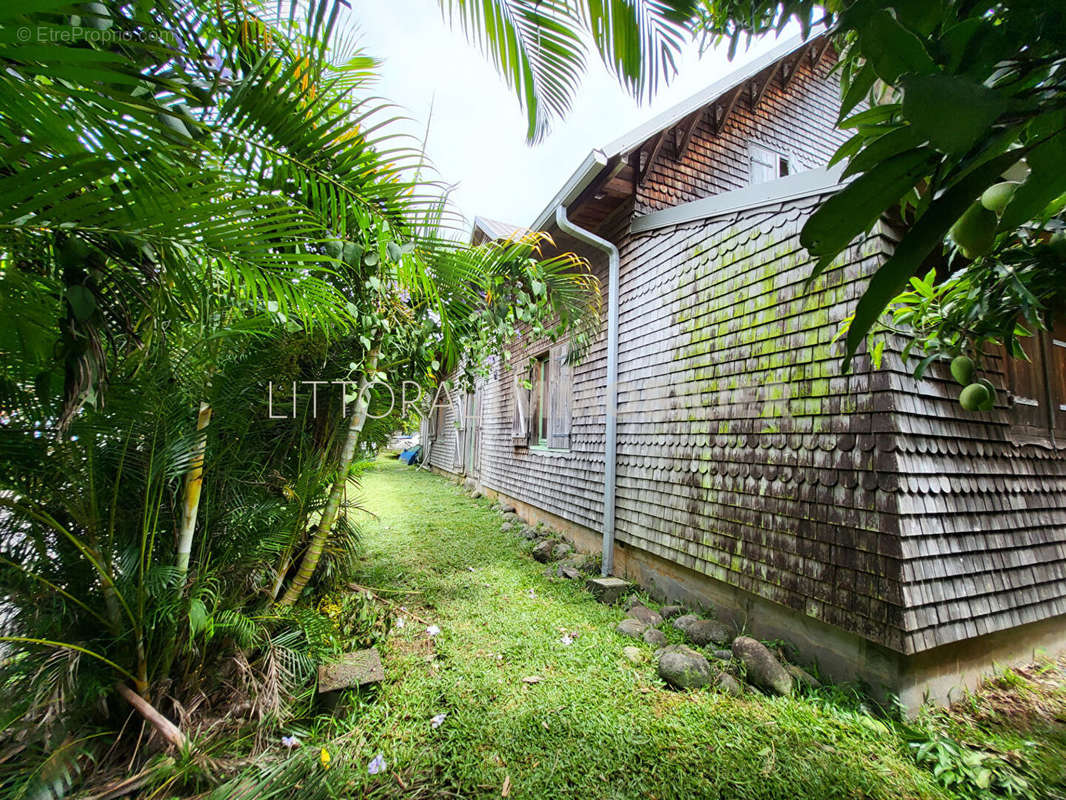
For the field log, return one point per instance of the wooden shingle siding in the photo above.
(982, 518)
(797, 122)
(743, 453)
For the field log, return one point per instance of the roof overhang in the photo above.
(611, 174)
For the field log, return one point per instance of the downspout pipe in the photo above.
(611, 400)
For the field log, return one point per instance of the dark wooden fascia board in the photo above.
(614, 164)
(690, 128)
(655, 150)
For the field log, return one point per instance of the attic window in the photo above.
(767, 165)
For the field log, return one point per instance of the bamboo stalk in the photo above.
(329, 513)
(194, 479)
(167, 729)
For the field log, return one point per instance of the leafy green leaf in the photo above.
(925, 235)
(82, 302)
(892, 49)
(953, 112)
(845, 215)
(1046, 181)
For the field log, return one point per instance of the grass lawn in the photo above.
(594, 724)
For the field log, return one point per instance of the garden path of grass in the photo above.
(595, 725)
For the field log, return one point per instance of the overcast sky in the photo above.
(477, 134)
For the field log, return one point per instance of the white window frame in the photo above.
(763, 160)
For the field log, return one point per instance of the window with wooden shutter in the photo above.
(1038, 385)
(1028, 385)
(539, 400)
(765, 165)
(520, 404)
(560, 397)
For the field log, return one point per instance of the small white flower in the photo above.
(532, 593)
(376, 765)
(289, 741)
(400, 622)
(437, 721)
(433, 630)
(568, 639)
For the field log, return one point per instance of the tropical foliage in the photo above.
(210, 242)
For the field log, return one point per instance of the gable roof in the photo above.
(606, 163)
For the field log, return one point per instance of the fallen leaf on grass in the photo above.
(506, 790)
(531, 679)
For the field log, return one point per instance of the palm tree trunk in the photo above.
(329, 513)
(194, 479)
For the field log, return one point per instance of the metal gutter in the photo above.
(611, 399)
(793, 187)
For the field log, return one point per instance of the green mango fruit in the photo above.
(975, 231)
(962, 369)
(973, 397)
(996, 197)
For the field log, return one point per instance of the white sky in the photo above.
(477, 136)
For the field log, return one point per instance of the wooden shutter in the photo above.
(520, 404)
(431, 427)
(1028, 389)
(460, 433)
(561, 397)
(1056, 372)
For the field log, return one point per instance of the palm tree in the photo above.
(540, 47)
(179, 224)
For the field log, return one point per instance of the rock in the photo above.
(706, 631)
(528, 533)
(470, 484)
(631, 627)
(724, 655)
(761, 668)
(702, 631)
(644, 614)
(669, 612)
(728, 684)
(507, 526)
(561, 550)
(684, 668)
(476, 495)
(633, 654)
(353, 669)
(510, 516)
(654, 637)
(507, 508)
(607, 590)
(568, 572)
(802, 676)
(543, 552)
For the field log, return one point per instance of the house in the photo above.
(710, 444)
